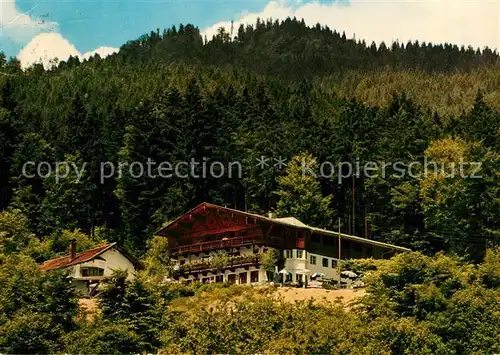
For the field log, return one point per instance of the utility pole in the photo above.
(340, 255)
(353, 205)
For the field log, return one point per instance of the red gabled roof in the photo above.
(288, 221)
(81, 257)
(204, 205)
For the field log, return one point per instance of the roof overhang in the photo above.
(358, 239)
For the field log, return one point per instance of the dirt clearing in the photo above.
(291, 294)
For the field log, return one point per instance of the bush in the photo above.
(36, 308)
(135, 305)
(103, 338)
(28, 333)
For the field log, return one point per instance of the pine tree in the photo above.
(300, 194)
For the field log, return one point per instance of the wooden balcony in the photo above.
(201, 267)
(234, 242)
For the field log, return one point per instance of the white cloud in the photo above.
(102, 51)
(45, 48)
(274, 9)
(20, 26)
(45, 43)
(466, 23)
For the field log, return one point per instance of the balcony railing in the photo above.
(235, 262)
(226, 243)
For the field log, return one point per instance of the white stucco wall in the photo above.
(113, 259)
(295, 264)
(116, 260)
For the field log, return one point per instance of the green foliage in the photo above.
(103, 337)
(112, 298)
(489, 270)
(387, 335)
(227, 112)
(360, 266)
(68, 203)
(15, 237)
(29, 333)
(269, 259)
(276, 90)
(36, 308)
(254, 326)
(292, 50)
(157, 263)
(414, 305)
(219, 261)
(132, 303)
(442, 295)
(300, 194)
(14, 232)
(60, 241)
(399, 281)
(459, 201)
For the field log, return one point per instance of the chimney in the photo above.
(72, 250)
(272, 215)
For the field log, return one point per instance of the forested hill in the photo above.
(290, 49)
(277, 90)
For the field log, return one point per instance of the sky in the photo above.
(40, 30)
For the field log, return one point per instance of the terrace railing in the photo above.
(238, 261)
(233, 242)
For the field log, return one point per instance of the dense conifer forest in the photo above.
(274, 90)
(277, 89)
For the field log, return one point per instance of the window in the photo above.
(330, 241)
(313, 259)
(346, 249)
(368, 250)
(315, 238)
(299, 254)
(288, 254)
(219, 278)
(243, 278)
(298, 278)
(325, 262)
(357, 247)
(334, 263)
(92, 271)
(254, 276)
